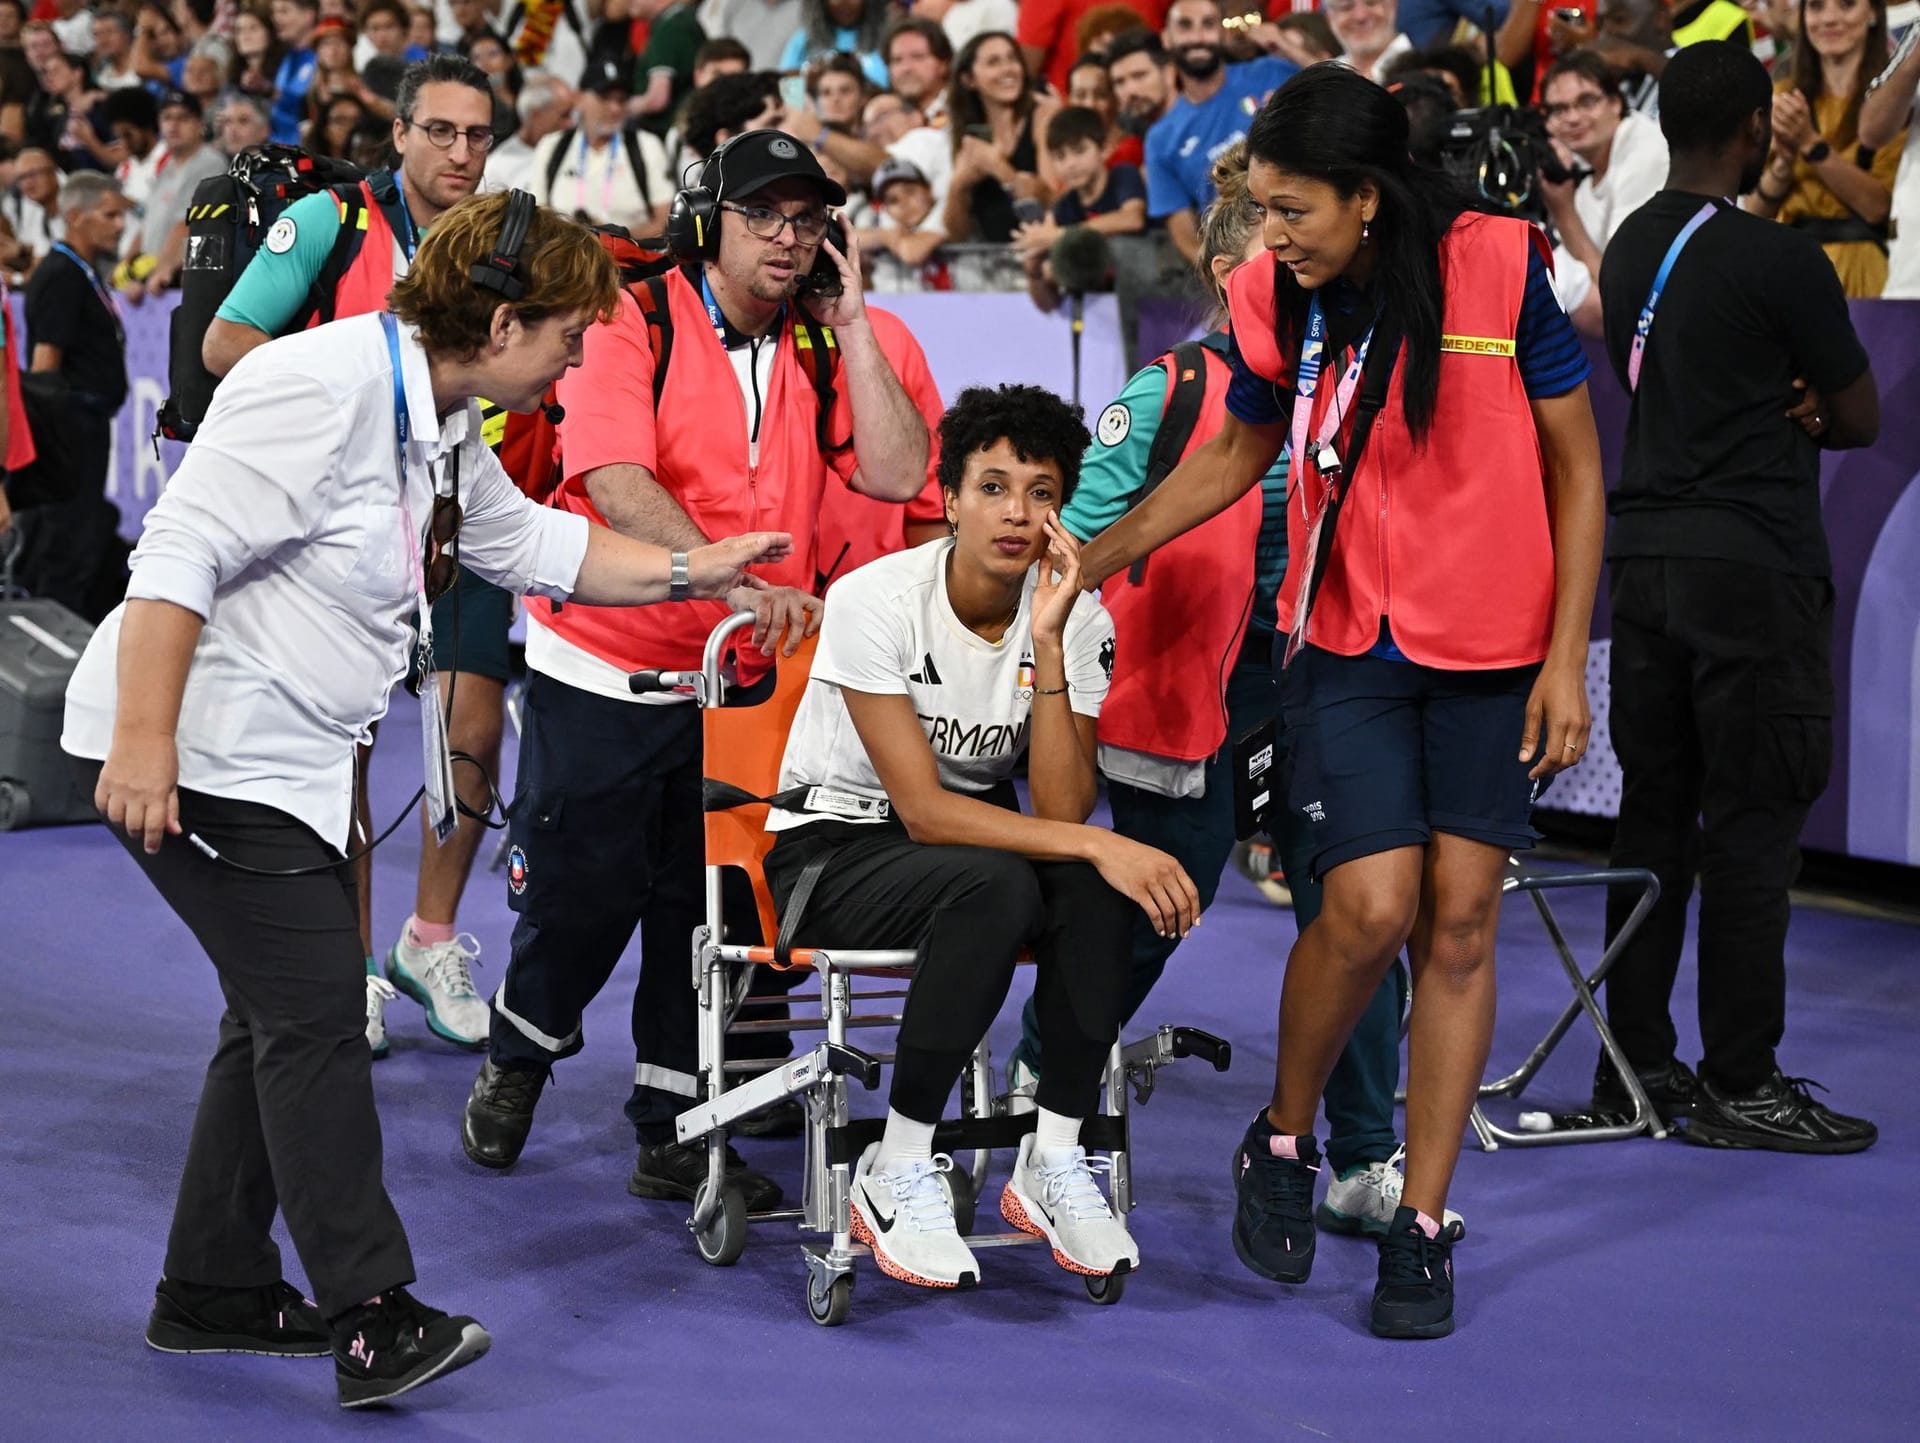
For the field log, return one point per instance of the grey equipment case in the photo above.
(40, 644)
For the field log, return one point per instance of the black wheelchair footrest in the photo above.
(1101, 1133)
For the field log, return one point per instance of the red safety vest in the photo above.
(1447, 540)
(1178, 631)
(701, 452)
(363, 286)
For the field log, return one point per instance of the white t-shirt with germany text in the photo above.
(890, 630)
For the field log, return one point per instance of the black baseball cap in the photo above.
(755, 160)
(607, 74)
(171, 99)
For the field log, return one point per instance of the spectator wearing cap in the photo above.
(334, 75)
(294, 22)
(162, 232)
(903, 241)
(663, 73)
(603, 169)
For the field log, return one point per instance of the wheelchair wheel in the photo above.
(829, 1306)
(724, 1237)
(959, 1186)
(1108, 1290)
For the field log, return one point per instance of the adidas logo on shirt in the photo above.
(927, 675)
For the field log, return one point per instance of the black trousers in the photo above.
(969, 911)
(286, 1119)
(1722, 715)
(608, 836)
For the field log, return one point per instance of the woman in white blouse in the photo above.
(336, 483)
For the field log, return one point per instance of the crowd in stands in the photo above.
(975, 137)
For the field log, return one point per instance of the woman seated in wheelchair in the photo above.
(937, 667)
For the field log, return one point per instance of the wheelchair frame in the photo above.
(722, 975)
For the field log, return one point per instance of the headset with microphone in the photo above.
(693, 222)
(501, 273)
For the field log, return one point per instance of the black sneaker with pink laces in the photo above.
(393, 1344)
(272, 1320)
(1414, 1297)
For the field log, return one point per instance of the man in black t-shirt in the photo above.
(77, 382)
(1722, 665)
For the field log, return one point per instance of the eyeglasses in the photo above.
(808, 228)
(1584, 104)
(442, 560)
(441, 134)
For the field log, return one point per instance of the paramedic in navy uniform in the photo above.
(937, 668)
(215, 715)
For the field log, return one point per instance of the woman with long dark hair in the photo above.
(1444, 535)
(1819, 178)
(996, 123)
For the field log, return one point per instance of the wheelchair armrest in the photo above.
(852, 1062)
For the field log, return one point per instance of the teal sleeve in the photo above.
(1115, 465)
(268, 293)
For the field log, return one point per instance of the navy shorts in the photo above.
(470, 625)
(1383, 754)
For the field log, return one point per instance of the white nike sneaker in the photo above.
(379, 993)
(1362, 1200)
(437, 977)
(1022, 1083)
(906, 1217)
(1063, 1204)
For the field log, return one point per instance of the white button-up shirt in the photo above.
(287, 530)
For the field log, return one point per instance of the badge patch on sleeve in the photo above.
(280, 239)
(1115, 422)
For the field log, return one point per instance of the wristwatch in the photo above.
(1817, 152)
(679, 584)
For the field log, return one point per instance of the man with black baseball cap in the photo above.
(606, 832)
(603, 169)
(190, 160)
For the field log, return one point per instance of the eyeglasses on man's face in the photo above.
(1583, 104)
(809, 227)
(441, 134)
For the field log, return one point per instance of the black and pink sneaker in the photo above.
(393, 1344)
(1414, 1297)
(1273, 1175)
(272, 1321)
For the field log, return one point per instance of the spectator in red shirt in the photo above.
(1047, 30)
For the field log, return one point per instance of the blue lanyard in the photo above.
(93, 278)
(722, 327)
(410, 237)
(402, 421)
(1643, 327)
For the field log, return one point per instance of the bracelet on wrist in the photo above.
(1050, 691)
(679, 581)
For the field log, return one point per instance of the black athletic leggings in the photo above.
(970, 911)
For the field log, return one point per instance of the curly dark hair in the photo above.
(1038, 424)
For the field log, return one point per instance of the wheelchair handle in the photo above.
(1192, 1042)
(653, 679)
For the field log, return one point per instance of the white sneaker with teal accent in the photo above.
(1058, 1200)
(437, 976)
(906, 1216)
(1362, 1201)
(379, 994)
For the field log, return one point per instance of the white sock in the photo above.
(1055, 1137)
(904, 1142)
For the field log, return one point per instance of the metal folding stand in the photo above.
(1644, 1119)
